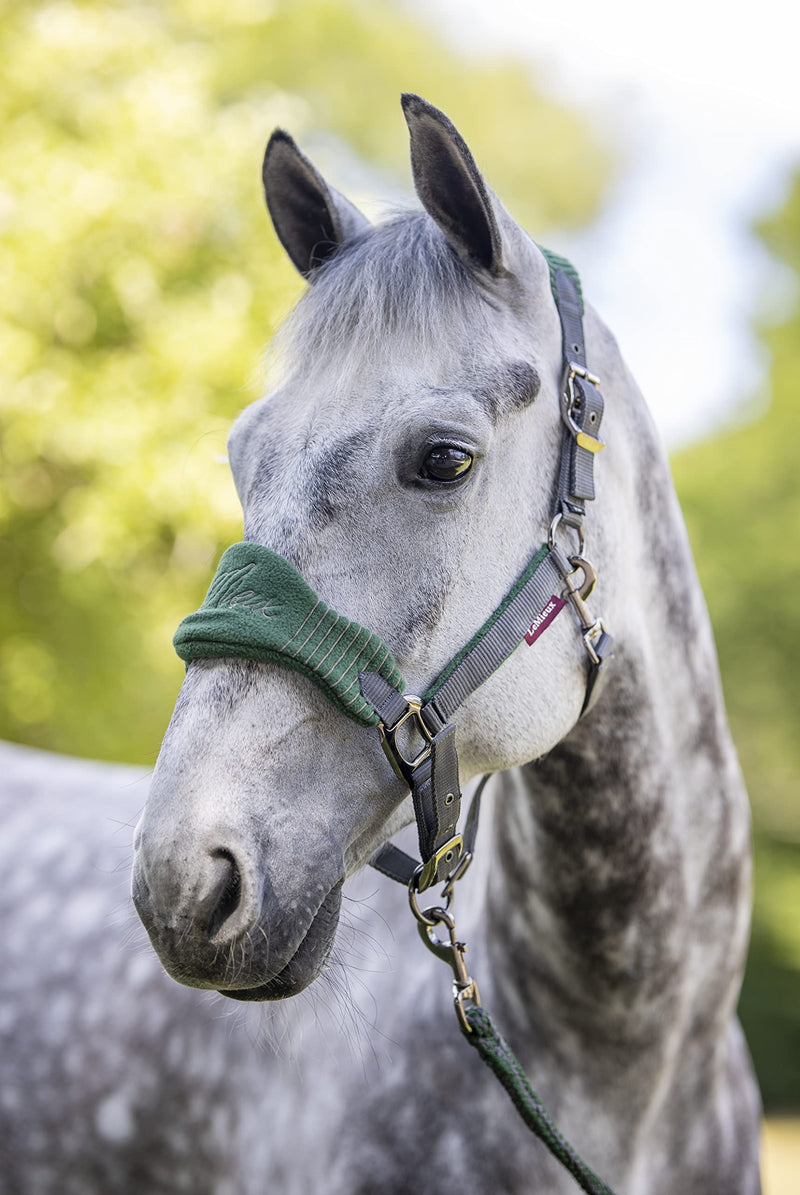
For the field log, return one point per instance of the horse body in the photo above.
(607, 915)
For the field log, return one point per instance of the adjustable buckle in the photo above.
(450, 854)
(402, 766)
(460, 870)
(571, 402)
(590, 637)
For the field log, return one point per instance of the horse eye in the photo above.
(446, 463)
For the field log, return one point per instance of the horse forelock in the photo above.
(398, 286)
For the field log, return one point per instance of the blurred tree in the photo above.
(741, 497)
(138, 281)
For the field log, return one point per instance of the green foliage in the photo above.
(741, 497)
(138, 282)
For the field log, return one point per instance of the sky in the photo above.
(701, 103)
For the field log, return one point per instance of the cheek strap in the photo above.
(259, 608)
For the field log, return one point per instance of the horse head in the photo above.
(405, 466)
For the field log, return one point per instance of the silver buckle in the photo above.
(583, 439)
(401, 764)
(590, 636)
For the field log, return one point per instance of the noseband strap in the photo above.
(259, 608)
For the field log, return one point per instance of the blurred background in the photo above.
(140, 280)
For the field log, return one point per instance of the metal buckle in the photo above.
(449, 853)
(582, 438)
(577, 595)
(594, 632)
(402, 766)
(451, 951)
(575, 370)
(459, 871)
(577, 527)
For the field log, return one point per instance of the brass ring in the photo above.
(423, 915)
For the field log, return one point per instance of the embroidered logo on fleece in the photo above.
(227, 591)
(543, 619)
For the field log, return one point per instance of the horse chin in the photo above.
(307, 961)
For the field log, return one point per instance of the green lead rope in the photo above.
(498, 1055)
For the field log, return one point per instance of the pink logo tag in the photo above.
(543, 619)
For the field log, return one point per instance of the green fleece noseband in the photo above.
(259, 608)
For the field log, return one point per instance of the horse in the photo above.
(404, 466)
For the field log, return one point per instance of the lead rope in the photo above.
(481, 1032)
(498, 1055)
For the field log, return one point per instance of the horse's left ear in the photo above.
(312, 220)
(450, 186)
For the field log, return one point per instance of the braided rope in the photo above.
(498, 1055)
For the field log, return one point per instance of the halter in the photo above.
(259, 607)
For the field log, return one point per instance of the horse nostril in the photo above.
(226, 893)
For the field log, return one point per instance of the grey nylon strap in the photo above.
(400, 866)
(571, 508)
(570, 309)
(473, 816)
(602, 648)
(437, 797)
(588, 414)
(394, 863)
(498, 644)
(390, 704)
(435, 782)
(576, 469)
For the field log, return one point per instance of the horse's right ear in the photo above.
(312, 220)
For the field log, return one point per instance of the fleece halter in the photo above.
(259, 607)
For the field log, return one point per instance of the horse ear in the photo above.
(450, 186)
(312, 220)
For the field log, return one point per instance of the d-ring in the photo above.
(551, 534)
(422, 915)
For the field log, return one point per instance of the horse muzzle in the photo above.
(216, 920)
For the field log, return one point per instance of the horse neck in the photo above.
(618, 896)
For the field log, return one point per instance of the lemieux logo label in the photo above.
(543, 619)
(227, 590)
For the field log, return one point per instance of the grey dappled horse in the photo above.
(405, 466)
